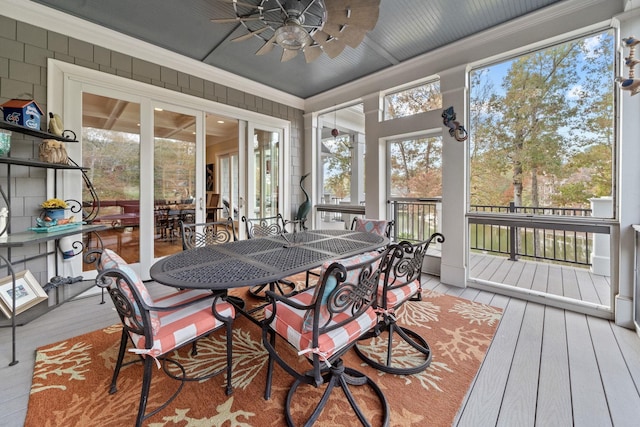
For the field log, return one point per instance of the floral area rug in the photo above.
(71, 378)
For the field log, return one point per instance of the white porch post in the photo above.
(601, 207)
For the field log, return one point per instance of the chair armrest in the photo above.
(277, 297)
(273, 298)
(183, 304)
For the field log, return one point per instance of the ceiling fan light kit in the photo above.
(292, 36)
(311, 26)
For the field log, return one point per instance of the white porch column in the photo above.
(601, 207)
(453, 270)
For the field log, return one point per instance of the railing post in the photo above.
(396, 218)
(601, 207)
(513, 250)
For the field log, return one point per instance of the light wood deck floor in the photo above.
(569, 281)
(545, 366)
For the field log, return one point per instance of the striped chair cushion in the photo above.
(289, 321)
(352, 277)
(109, 259)
(183, 325)
(376, 226)
(400, 294)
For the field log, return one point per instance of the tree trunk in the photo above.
(517, 184)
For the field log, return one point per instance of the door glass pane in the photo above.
(174, 177)
(229, 185)
(266, 174)
(111, 151)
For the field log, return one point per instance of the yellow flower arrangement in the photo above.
(54, 204)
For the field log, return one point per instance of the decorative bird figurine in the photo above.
(630, 83)
(305, 207)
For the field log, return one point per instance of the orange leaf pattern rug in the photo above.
(71, 378)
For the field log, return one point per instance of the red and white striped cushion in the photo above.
(183, 325)
(399, 295)
(109, 259)
(288, 323)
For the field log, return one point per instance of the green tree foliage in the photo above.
(545, 135)
(426, 97)
(337, 180)
(416, 167)
(113, 159)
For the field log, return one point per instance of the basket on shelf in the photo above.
(52, 151)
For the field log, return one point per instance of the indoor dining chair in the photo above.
(323, 323)
(157, 327)
(390, 347)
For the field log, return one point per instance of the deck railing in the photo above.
(517, 237)
(416, 219)
(554, 243)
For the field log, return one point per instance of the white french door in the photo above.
(264, 171)
(159, 138)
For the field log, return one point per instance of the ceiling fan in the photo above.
(311, 26)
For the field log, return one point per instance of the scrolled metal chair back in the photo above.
(133, 314)
(265, 226)
(349, 286)
(407, 263)
(196, 235)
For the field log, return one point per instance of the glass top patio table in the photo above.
(263, 260)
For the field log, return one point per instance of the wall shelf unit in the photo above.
(27, 237)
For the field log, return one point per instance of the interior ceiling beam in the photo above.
(115, 113)
(181, 126)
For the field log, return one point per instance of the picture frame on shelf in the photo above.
(28, 293)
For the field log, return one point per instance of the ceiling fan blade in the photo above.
(333, 48)
(351, 36)
(342, 4)
(364, 16)
(249, 35)
(240, 3)
(236, 19)
(330, 45)
(311, 53)
(320, 37)
(267, 47)
(288, 54)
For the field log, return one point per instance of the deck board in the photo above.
(482, 407)
(620, 390)
(587, 392)
(587, 287)
(576, 283)
(519, 403)
(554, 389)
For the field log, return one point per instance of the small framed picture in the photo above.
(28, 293)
